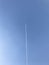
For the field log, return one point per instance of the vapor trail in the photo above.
(26, 44)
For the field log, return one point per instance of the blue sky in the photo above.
(13, 16)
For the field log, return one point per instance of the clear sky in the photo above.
(13, 16)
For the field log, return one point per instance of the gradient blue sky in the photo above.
(13, 16)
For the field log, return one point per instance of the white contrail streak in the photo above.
(26, 44)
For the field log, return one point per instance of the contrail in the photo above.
(26, 44)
